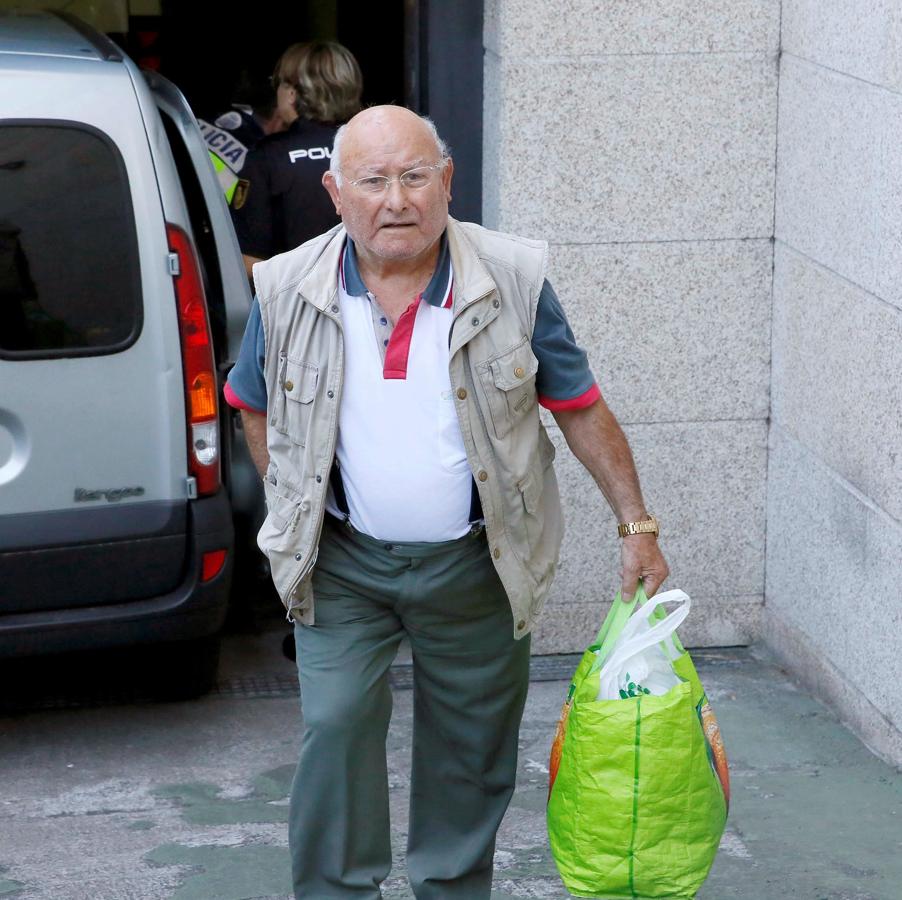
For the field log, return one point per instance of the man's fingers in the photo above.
(641, 558)
(654, 579)
(628, 587)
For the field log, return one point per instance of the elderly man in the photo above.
(389, 383)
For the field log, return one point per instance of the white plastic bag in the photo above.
(640, 660)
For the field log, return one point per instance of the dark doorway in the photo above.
(444, 53)
(205, 55)
(424, 54)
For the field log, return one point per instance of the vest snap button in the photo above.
(474, 321)
(519, 372)
(330, 394)
(461, 393)
(289, 385)
(297, 556)
(521, 625)
(497, 553)
(334, 307)
(483, 475)
(496, 303)
(319, 478)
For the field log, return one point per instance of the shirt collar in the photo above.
(436, 293)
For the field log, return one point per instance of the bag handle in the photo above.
(658, 632)
(662, 624)
(615, 621)
(659, 614)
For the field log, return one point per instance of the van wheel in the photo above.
(186, 669)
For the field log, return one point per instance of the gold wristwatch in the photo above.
(648, 525)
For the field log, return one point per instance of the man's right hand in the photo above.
(641, 557)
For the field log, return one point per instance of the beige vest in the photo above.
(497, 281)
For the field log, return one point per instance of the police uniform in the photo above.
(281, 202)
(228, 139)
(241, 123)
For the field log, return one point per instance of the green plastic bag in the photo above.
(638, 787)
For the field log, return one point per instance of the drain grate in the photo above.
(400, 677)
(252, 686)
(554, 668)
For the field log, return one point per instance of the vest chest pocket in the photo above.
(293, 408)
(509, 385)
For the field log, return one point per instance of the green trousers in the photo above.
(470, 683)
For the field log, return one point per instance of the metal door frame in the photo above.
(443, 75)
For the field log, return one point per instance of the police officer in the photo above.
(230, 136)
(279, 202)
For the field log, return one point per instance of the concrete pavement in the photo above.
(104, 797)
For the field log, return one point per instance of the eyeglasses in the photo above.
(413, 179)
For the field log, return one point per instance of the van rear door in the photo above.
(93, 486)
(225, 281)
(226, 284)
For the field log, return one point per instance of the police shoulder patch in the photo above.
(240, 195)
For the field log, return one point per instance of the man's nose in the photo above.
(396, 195)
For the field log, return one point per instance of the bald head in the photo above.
(390, 181)
(383, 127)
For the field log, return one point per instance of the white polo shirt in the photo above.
(403, 466)
(400, 453)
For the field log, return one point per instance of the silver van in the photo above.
(122, 305)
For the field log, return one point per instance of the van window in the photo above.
(69, 275)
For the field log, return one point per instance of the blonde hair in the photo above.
(325, 76)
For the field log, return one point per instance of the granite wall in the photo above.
(639, 140)
(834, 511)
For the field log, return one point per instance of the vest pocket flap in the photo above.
(531, 490)
(299, 381)
(515, 367)
(508, 383)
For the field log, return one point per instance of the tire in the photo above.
(186, 670)
(289, 650)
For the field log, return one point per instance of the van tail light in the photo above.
(201, 405)
(212, 564)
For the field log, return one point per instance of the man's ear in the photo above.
(447, 175)
(330, 185)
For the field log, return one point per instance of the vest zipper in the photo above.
(471, 388)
